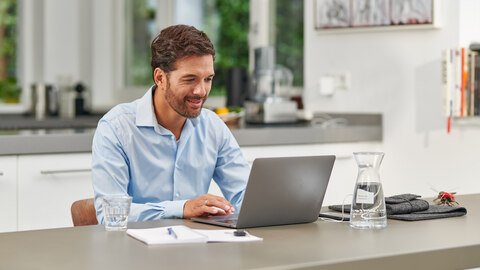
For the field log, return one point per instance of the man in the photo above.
(163, 149)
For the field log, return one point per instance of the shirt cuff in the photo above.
(174, 209)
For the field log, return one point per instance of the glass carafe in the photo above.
(368, 204)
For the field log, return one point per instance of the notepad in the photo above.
(183, 234)
(155, 236)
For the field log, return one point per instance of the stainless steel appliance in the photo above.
(270, 101)
(272, 110)
(44, 100)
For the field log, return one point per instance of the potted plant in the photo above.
(9, 91)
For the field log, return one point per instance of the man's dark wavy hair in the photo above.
(176, 42)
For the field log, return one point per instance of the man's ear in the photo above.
(160, 77)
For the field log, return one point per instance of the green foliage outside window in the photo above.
(142, 31)
(9, 89)
(232, 41)
(289, 37)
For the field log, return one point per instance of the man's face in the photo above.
(189, 84)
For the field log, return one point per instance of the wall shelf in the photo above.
(466, 121)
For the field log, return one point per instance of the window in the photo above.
(140, 31)
(225, 22)
(289, 37)
(279, 23)
(229, 34)
(9, 87)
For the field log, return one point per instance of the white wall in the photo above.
(397, 73)
(61, 40)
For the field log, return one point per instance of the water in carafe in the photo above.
(368, 204)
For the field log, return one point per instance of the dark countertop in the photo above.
(27, 122)
(24, 135)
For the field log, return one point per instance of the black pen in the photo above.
(172, 232)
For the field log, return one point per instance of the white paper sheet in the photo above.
(227, 236)
(155, 236)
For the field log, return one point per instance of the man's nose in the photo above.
(200, 89)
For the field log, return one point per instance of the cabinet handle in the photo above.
(1, 173)
(64, 171)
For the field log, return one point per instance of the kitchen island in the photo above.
(51, 167)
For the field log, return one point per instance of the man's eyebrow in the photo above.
(189, 76)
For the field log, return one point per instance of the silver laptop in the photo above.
(286, 190)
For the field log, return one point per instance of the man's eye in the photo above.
(208, 79)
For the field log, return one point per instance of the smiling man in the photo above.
(164, 149)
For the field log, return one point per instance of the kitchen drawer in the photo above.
(8, 193)
(47, 187)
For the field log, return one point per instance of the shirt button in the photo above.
(177, 194)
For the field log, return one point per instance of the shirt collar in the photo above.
(146, 113)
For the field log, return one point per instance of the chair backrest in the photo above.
(83, 213)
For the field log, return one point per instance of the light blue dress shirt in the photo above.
(132, 154)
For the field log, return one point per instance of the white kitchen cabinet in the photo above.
(8, 193)
(47, 187)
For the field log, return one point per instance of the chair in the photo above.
(83, 212)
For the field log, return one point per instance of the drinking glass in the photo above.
(116, 209)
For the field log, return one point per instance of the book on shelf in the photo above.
(472, 57)
(462, 82)
(476, 82)
(457, 72)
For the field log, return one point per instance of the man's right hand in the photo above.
(207, 204)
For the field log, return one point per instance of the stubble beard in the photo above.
(179, 106)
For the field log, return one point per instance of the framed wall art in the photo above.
(349, 14)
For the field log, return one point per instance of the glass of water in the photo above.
(116, 209)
